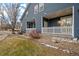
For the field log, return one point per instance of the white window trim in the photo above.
(41, 5)
(36, 9)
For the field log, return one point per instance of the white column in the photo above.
(73, 21)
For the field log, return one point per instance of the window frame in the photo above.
(41, 5)
(36, 9)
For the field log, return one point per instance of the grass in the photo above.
(15, 45)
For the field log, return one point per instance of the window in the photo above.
(69, 21)
(30, 24)
(41, 7)
(36, 9)
(66, 21)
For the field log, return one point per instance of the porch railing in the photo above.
(28, 30)
(57, 30)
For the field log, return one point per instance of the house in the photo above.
(53, 18)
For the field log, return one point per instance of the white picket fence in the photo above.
(53, 30)
(57, 30)
(28, 30)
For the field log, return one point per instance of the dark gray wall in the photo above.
(76, 20)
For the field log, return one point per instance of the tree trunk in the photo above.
(13, 31)
(13, 27)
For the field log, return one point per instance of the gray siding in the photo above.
(76, 20)
(24, 25)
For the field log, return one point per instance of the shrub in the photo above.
(35, 34)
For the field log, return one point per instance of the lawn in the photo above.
(15, 45)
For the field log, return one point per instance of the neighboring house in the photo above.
(53, 18)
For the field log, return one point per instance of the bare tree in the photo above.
(12, 10)
(2, 17)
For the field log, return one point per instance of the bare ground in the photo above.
(71, 47)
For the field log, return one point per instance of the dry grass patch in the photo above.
(15, 45)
